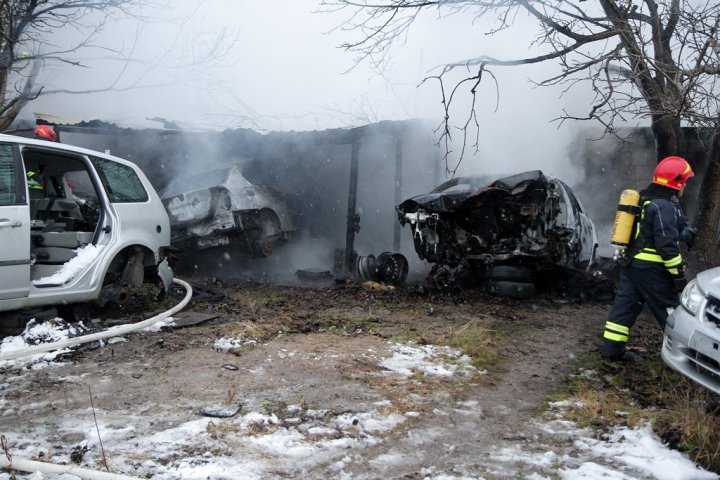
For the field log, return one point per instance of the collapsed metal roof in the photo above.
(153, 123)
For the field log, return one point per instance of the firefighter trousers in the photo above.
(637, 286)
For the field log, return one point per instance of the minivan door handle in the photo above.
(6, 222)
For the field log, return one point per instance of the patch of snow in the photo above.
(158, 326)
(369, 421)
(287, 442)
(591, 471)
(517, 454)
(391, 458)
(428, 360)
(35, 333)
(83, 258)
(641, 449)
(260, 419)
(226, 344)
(321, 431)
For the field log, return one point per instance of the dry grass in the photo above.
(219, 430)
(692, 420)
(597, 408)
(481, 344)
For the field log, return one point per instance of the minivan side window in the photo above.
(8, 179)
(120, 181)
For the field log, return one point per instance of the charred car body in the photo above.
(528, 220)
(221, 207)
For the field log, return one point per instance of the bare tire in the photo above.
(512, 273)
(504, 288)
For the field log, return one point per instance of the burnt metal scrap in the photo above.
(528, 222)
(391, 268)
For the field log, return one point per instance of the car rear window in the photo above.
(201, 181)
(120, 181)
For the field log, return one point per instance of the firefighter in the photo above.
(35, 186)
(653, 269)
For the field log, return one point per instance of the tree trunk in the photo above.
(707, 219)
(666, 131)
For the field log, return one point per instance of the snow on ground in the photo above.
(226, 344)
(624, 454)
(428, 360)
(302, 442)
(34, 334)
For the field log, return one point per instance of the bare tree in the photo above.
(39, 35)
(652, 59)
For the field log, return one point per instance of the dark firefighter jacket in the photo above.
(658, 231)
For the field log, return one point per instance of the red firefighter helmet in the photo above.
(672, 172)
(46, 132)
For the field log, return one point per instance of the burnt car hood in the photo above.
(448, 202)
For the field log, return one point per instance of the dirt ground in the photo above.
(323, 349)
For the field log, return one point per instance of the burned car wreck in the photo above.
(505, 230)
(220, 207)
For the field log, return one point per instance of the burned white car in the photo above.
(221, 207)
(528, 220)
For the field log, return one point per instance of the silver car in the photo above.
(692, 335)
(75, 226)
(221, 207)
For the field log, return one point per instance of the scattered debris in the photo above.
(314, 274)
(221, 411)
(189, 318)
(371, 285)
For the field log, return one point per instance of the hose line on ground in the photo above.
(113, 332)
(26, 465)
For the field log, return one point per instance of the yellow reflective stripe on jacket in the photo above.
(32, 182)
(649, 257)
(617, 327)
(674, 262)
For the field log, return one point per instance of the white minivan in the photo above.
(75, 226)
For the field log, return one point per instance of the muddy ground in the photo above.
(318, 350)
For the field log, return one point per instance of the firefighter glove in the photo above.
(688, 235)
(679, 282)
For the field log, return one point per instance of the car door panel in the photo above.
(14, 226)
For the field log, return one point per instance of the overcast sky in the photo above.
(286, 71)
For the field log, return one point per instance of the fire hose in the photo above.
(25, 465)
(93, 337)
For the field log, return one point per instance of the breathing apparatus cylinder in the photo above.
(627, 210)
